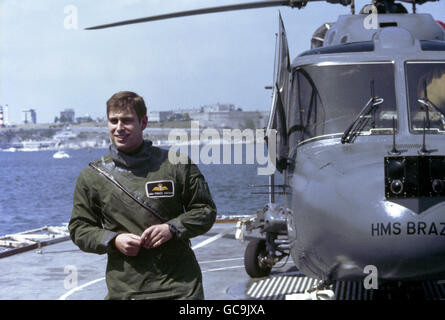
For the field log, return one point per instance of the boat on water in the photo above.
(61, 155)
(64, 135)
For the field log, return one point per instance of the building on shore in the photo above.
(235, 119)
(215, 116)
(227, 116)
(2, 119)
(85, 119)
(29, 116)
(67, 115)
(218, 107)
(159, 116)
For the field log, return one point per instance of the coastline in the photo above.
(94, 137)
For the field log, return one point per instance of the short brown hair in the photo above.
(127, 99)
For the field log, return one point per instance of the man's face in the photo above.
(126, 129)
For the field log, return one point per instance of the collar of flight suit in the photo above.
(132, 160)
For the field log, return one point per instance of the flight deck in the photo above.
(60, 271)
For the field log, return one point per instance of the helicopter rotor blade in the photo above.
(241, 6)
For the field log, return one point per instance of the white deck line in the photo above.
(78, 288)
(220, 269)
(221, 260)
(199, 245)
(214, 238)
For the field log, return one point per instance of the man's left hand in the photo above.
(155, 235)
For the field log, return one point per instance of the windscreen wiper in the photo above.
(427, 103)
(361, 120)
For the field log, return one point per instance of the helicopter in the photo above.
(359, 124)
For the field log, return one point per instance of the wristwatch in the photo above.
(173, 231)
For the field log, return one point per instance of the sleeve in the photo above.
(200, 210)
(85, 225)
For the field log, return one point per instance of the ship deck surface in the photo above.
(47, 273)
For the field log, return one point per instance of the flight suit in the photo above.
(180, 196)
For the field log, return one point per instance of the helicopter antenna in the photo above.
(424, 150)
(394, 149)
(373, 97)
(426, 106)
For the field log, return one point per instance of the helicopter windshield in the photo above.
(426, 96)
(326, 98)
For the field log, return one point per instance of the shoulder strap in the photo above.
(140, 201)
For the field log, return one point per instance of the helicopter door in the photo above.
(280, 99)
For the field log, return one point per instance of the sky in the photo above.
(48, 62)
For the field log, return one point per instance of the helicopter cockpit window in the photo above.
(327, 98)
(426, 96)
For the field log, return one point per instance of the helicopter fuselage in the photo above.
(344, 210)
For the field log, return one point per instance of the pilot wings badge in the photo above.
(160, 189)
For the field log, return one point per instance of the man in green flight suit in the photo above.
(140, 209)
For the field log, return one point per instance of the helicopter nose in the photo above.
(366, 216)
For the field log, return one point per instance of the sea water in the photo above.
(36, 190)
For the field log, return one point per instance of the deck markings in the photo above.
(221, 260)
(253, 294)
(274, 290)
(199, 245)
(214, 238)
(260, 284)
(78, 288)
(251, 288)
(278, 287)
(221, 269)
(286, 286)
(270, 287)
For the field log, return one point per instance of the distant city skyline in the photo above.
(29, 115)
(48, 62)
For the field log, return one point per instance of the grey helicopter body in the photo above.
(341, 213)
(359, 124)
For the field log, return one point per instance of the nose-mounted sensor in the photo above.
(416, 182)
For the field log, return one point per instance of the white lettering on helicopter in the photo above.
(411, 228)
(206, 147)
(371, 20)
(70, 21)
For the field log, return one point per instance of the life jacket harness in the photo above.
(140, 201)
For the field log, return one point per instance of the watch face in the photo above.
(173, 230)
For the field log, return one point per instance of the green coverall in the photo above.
(101, 211)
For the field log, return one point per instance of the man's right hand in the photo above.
(128, 243)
